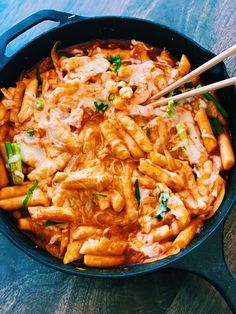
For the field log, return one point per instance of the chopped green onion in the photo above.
(30, 191)
(66, 54)
(216, 126)
(38, 76)
(171, 108)
(188, 84)
(49, 223)
(148, 132)
(210, 97)
(30, 131)
(9, 150)
(111, 97)
(137, 191)
(40, 104)
(163, 198)
(117, 61)
(100, 194)
(100, 107)
(15, 163)
(175, 92)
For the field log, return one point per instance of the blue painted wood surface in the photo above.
(28, 287)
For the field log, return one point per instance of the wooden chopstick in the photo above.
(209, 64)
(195, 92)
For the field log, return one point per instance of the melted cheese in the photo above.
(95, 168)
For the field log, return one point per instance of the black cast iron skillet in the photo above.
(204, 256)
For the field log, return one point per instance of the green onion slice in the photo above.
(137, 191)
(100, 107)
(15, 162)
(163, 198)
(40, 104)
(117, 61)
(216, 126)
(30, 131)
(100, 194)
(29, 193)
(171, 108)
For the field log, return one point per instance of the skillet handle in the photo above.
(208, 261)
(32, 20)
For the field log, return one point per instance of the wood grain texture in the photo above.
(28, 287)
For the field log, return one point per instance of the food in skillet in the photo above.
(97, 176)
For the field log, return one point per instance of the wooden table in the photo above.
(28, 287)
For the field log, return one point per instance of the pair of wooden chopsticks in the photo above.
(198, 91)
